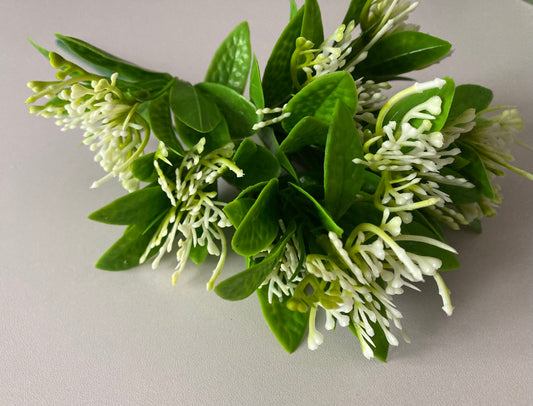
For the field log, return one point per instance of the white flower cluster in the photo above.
(112, 126)
(285, 276)
(195, 214)
(410, 158)
(364, 275)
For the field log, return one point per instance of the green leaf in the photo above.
(293, 9)
(458, 194)
(469, 96)
(354, 12)
(237, 209)
(245, 283)
(259, 227)
(192, 108)
(401, 52)
(216, 138)
(134, 208)
(44, 52)
(288, 326)
(312, 29)
(449, 259)
(161, 123)
(308, 131)
(269, 140)
(239, 113)
(317, 210)
(108, 63)
(342, 177)
(231, 62)
(318, 99)
(257, 163)
(277, 81)
(198, 254)
(128, 250)
(475, 171)
(256, 88)
(400, 109)
(143, 168)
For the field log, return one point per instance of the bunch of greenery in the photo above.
(343, 185)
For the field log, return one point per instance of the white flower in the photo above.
(195, 216)
(360, 279)
(112, 126)
(409, 158)
(285, 276)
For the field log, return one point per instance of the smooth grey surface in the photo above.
(74, 335)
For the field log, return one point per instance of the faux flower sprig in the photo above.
(341, 195)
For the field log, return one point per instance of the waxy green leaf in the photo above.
(401, 52)
(260, 227)
(256, 88)
(198, 253)
(354, 11)
(308, 131)
(238, 111)
(317, 210)
(108, 63)
(128, 250)
(161, 123)
(271, 143)
(475, 171)
(469, 96)
(231, 63)
(143, 168)
(137, 207)
(318, 99)
(245, 283)
(312, 29)
(446, 93)
(216, 138)
(277, 81)
(288, 326)
(192, 108)
(237, 209)
(257, 163)
(342, 177)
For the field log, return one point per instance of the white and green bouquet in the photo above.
(342, 186)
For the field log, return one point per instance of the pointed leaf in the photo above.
(317, 210)
(269, 140)
(134, 208)
(239, 113)
(400, 109)
(308, 131)
(318, 99)
(342, 177)
(257, 163)
(401, 52)
(288, 326)
(354, 11)
(143, 168)
(256, 88)
(277, 81)
(237, 209)
(128, 250)
(161, 123)
(245, 283)
(260, 226)
(215, 138)
(469, 96)
(312, 28)
(475, 171)
(231, 62)
(192, 108)
(108, 63)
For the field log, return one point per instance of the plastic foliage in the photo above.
(340, 197)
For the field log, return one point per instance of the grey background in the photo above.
(74, 335)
